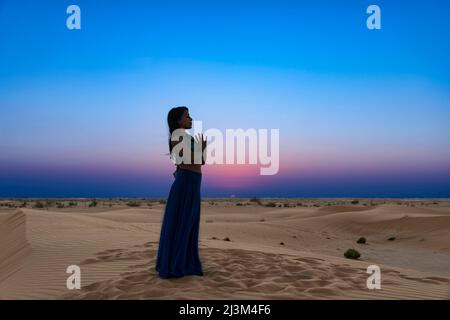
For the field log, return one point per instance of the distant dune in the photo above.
(288, 251)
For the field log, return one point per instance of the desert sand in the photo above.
(250, 249)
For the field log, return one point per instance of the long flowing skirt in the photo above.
(178, 253)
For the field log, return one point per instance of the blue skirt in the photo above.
(178, 244)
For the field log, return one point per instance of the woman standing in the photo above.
(178, 253)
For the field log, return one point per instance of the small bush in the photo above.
(93, 203)
(256, 200)
(271, 204)
(226, 239)
(354, 202)
(38, 205)
(352, 254)
(391, 239)
(134, 204)
(361, 240)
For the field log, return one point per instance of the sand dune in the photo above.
(14, 246)
(273, 253)
(244, 274)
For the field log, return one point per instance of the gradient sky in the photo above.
(361, 113)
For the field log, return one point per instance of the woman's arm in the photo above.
(200, 139)
(180, 151)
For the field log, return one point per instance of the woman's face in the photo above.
(186, 121)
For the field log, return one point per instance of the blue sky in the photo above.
(360, 112)
(326, 37)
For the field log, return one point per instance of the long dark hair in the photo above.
(173, 117)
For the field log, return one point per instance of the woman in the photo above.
(178, 245)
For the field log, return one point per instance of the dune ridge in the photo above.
(14, 246)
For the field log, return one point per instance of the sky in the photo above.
(361, 113)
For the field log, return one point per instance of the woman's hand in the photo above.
(200, 138)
